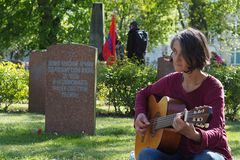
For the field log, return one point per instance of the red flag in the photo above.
(109, 47)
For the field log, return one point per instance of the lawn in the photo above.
(114, 139)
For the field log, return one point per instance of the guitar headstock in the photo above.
(200, 116)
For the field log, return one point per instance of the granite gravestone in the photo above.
(37, 82)
(71, 89)
(164, 67)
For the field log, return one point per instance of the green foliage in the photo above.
(230, 78)
(121, 82)
(208, 16)
(13, 83)
(18, 21)
(75, 21)
(118, 85)
(65, 21)
(35, 24)
(102, 90)
(158, 18)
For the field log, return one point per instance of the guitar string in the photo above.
(164, 121)
(163, 124)
(190, 115)
(166, 118)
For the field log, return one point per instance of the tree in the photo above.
(17, 25)
(36, 24)
(207, 15)
(49, 23)
(158, 18)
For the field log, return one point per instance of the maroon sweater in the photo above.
(210, 93)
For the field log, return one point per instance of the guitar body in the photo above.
(164, 138)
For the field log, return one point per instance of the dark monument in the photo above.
(164, 67)
(37, 82)
(97, 27)
(71, 89)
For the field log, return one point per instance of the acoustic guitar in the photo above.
(161, 115)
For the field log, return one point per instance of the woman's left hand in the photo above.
(185, 128)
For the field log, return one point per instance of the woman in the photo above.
(191, 85)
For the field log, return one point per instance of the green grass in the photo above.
(114, 139)
(233, 134)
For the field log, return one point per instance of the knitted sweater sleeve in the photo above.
(212, 136)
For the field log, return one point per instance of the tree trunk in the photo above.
(49, 23)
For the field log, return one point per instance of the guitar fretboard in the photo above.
(163, 122)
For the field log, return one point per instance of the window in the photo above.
(235, 58)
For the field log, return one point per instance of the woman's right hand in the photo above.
(141, 124)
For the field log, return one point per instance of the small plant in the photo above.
(13, 83)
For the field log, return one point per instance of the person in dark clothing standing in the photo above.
(136, 43)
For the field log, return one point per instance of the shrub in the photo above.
(121, 81)
(102, 90)
(118, 84)
(13, 83)
(230, 78)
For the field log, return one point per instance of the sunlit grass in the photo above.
(233, 134)
(114, 139)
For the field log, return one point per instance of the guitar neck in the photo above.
(164, 121)
(198, 117)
